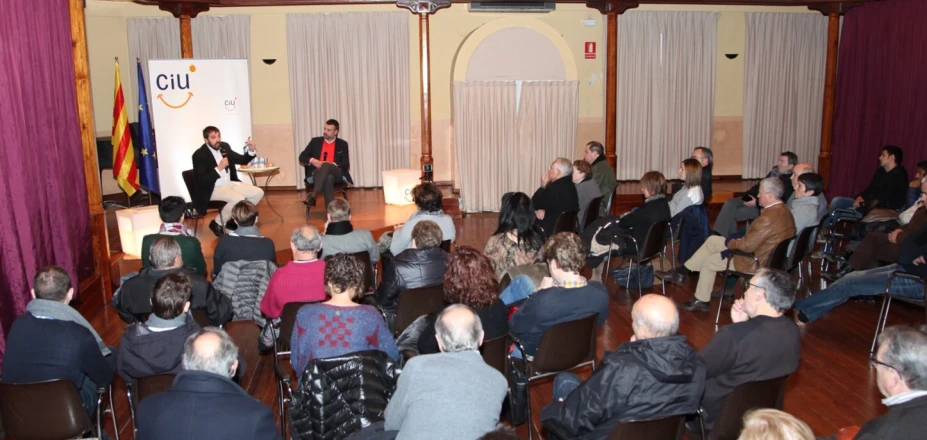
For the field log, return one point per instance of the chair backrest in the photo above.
(287, 321)
(364, 257)
(565, 345)
(653, 242)
(147, 386)
(802, 247)
(43, 410)
(417, 302)
(200, 316)
(189, 179)
(778, 258)
(566, 222)
(446, 246)
(494, 352)
(666, 428)
(592, 211)
(748, 396)
(608, 202)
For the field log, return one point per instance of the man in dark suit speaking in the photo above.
(326, 162)
(217, 179)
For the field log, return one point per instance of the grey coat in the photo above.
(358, 240)
(245, 283)
(586, 191)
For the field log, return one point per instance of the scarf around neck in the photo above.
(339, 228)
(175, 228)
(247, 230)
(43, 308)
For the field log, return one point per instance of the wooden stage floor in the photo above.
(834, 386)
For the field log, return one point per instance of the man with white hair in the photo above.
(901, 374)
(774, 225)
(203, 402)
(452, 394)
(657, 374)
(556, 195)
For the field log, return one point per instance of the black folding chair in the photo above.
(887, 303)
(645, 252)
(777, 259)
(189, 179)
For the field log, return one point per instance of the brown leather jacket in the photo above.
(774, 224)
(918, 220)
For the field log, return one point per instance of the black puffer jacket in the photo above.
(340, 395)
(640, 380)
(411, 269)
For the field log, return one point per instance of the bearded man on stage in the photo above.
(326, 162)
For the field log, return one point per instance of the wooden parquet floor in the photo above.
(834, 386)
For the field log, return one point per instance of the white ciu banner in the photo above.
(186, 97)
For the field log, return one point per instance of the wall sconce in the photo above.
(134, 224)
(269, 61)
(398, 184)
(730, 56)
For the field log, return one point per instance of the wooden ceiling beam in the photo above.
(202, 5)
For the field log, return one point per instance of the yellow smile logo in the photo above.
(161, 98)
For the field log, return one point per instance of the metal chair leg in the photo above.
(112, 413)
(673, 252)
(880, 324)
(721, 300)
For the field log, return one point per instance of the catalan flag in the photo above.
(148, 163)
(124, 170)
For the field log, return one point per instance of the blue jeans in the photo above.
(520, 288)
(564, 384)
(862, 283)
(839, 203)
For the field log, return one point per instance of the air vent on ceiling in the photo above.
(512, 6)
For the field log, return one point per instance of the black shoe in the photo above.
(670, 276)
(727, 296)
(216, 228)
(310, 200)
(695, 305)
(846, 269)
(231, 225)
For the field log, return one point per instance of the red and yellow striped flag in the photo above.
(124, 169)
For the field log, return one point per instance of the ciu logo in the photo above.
(175, 82)
(230, 104)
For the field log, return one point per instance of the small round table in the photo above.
(268, 172)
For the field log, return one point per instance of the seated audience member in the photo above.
(564, 296)
(53, 341)
(301, 280)
(599, 235)
(887, 189)
(871, 282)
(470, 281)
(427, 199)
(171, 209)
(901, 374)
(339, 325)
(516, 241)
(706, 158)
(156, 346)
(773, 226)
(341, 237)
(761, 344)
(877, 247)
(421, 265)
(602, 172)
(768, 424)
(134, 299)
(745, 208)
(804, 202)
(586, 188)
(805, 168)
(690, 193)
(203, 401)
(245, 243)
(914, 187)
(657, 374)
(556, 195)
(452, 394)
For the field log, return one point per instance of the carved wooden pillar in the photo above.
(99, 241)
(185, 11)
(424, 9)
(830, 79)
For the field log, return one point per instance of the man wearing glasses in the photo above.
(901, 374)
(761, 344)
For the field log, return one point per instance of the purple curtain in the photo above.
(44, 217)
(881, 90)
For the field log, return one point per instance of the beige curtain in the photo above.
(484, 135)
(218, 37)
(785, 57)
(353, 67)
(666, 75)
(547, 119)
(149, 39)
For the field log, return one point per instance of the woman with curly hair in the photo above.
(339, 326)
(469, 280)
(516, 242)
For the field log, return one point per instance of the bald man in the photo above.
(203, 402)
(452, 394)
(657, 365)
(556, 195)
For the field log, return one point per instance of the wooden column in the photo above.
(830, 79)
(98, 238)
(424, 9)
(185, 11)
(611, 86)
(186, 37)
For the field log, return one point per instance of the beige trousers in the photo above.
(707, 262)
(233, 193)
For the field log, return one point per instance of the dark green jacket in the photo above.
(190, 249)
(604, 175)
